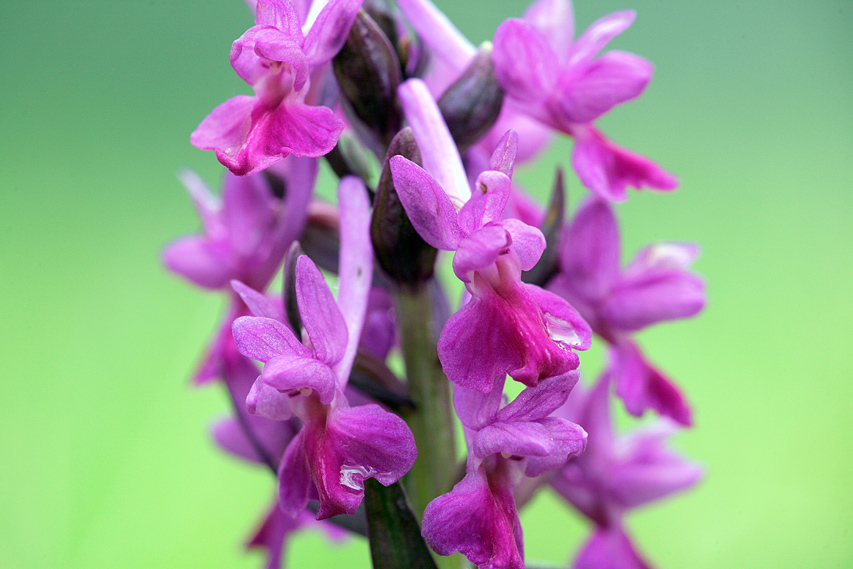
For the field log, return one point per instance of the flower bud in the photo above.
(291, 309)
(552, 225)
(471, 105)
(404, 256)
(368, 72)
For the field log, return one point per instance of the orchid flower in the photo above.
(615, 475)
(505, 442)
(338, 446)
(562, 84)
(517, 328)
(656, 286)
(278, 57)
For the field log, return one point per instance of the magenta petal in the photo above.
(281, 14)
(487, 203)
(642, 301)
(599, 34)
(608, 169)
(268, 402)
(589, 252)
(260, 43)
(289, 372)
(475, 409)
(358, 443)
(259, 303)
(562, 321)
(662, 257)
(226, 128)
(207, 205)
(378, 444)
(427, 205)
(274, 45)
(527, 242)
(526, 66)
(330, 30)
(229, 434)
(503, 158)
(555, 20)
(264, 339)
(201, 261)
(609, 549)
(567, 440)
(540, 401)
(521, 438)
(508, 335)
(273, 533)
(320, 314)
(477, 328)
(614, 78)
(249, 211)
(478, 520)
(439, 154)
(301, 130)
(294, 477)
(641, 386)
(649, 471)
(355, 266)
(480, 250)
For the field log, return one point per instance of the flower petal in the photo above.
(203, 262)
(438, 151)
(225, 129)
(555, 20)
(479, 250)
(567, 440)
(642, 387)
(427, 205)
(290, 372)
(487, 203)
(503, 157)
(562, 321)
(538, 402)
(264, 339)
(355, 266)
(329, 31)
(294, 478)
(599, 34)
(589, 251)
(358, 443)
(478, 520)
(259, 303)
(525, 65)
(609, 549)
(608, 169)
(646, 299)
(614, 78)
(319, 311)
(268, 402)
(300, 129)
(527, 242)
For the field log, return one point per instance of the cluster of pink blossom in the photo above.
(372, 450)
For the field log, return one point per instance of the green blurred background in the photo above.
(105, 459)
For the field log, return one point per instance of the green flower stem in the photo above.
(432, 420)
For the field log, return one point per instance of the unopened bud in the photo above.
(291, 309)
(551, 228)
(404, 256)
(471, 105)
(368, 72)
